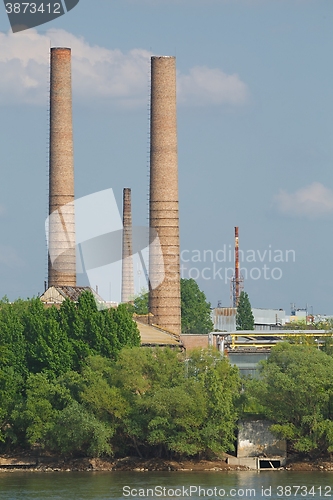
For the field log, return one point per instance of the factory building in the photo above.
(224, 318)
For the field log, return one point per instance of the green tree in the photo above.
(295, 391)
(195, 310)
(140, 303)
(176, 406)
(127, 331)
(99, 393)
(93, 332)
(45, 399)
(78, 431)
(244, 316)
(57, 422)
(48, 347)
(222, 387)
(11, 401)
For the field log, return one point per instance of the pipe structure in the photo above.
(62, 260)
(164, 263)
(127, 284)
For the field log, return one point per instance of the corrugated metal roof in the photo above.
(151, 335)
(57, 294)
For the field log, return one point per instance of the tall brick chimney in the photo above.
(62, 271)
(127, 283)
(164, 300)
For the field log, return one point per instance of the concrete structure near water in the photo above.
(164, 257)
(257, 447)
(62, 260)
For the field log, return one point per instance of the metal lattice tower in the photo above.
(237, 281)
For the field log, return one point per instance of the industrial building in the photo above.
(224, 319)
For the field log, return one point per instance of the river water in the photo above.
(168, 485)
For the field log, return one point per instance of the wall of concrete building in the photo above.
(255, 440)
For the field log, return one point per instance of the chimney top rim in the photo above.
(163, 57)
(61, 48)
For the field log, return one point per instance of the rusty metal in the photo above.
(127, 284)
(224, 318)
(236, 267)
(237, 279)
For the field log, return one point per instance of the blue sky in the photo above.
(255, 123)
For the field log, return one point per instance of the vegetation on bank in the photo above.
(74, 381)
(295, 391)
(42, 353)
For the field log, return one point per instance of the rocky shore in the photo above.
(49, 463)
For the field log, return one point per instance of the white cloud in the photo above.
(97, 72)
(312, 201)
(100, 74)
(211, 86)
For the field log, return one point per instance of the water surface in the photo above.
(196, 485)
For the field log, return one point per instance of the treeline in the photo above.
(75, 381)
(40, 346)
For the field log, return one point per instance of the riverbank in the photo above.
(49, 463)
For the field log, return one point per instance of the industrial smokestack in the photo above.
(164, 300)
(237, 280)
(237, 274)
(62, 262)
(127, 284)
